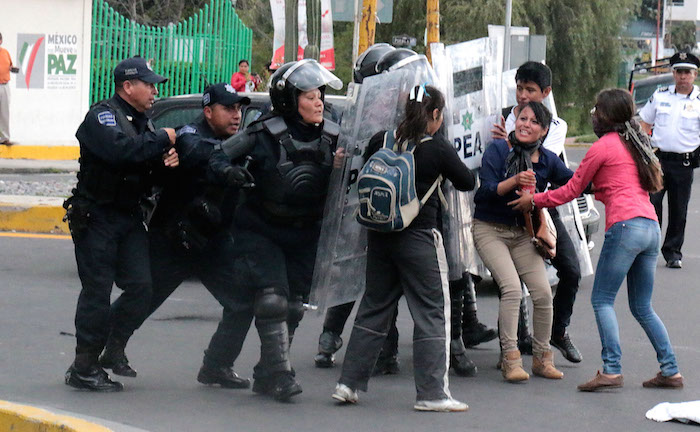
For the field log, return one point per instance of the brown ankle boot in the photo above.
(543, 365)
(512, 367)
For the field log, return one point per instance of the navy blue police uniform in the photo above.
(119, 148)
(190, 236)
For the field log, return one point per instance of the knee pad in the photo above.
(270, 304)
(295, 310)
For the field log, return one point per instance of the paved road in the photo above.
(39, 287)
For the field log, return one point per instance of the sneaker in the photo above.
(660, 381)
(344, 394)
(442, 405)
(478, 334)
(93, 379)
(567, 348)
(224, 376)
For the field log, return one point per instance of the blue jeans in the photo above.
(631, 249)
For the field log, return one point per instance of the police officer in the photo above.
(674, 113)
(277, 225)
(119, 147)
(189, 236)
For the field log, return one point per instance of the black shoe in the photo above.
(328, 344)
(387, 366)
(282, 386)
(224, 376)
(116, 360)
(93, 379)
(567, 348)
(462, 365)
(323, 360)
(674, 264)
(525, 345)
(477, 334)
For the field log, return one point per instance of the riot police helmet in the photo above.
(396, 59)
(297, 77)
(366, 63)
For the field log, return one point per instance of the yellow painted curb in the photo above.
(40, 152)
(24, 418)
(39, 218)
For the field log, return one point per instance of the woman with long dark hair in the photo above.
(624, 170)
(412, 263)
(504, 244)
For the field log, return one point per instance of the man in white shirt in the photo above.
(674, 113)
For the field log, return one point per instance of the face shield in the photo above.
(308, 74)
(415, 62)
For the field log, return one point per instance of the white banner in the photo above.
(327, 50)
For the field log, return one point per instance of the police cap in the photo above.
(684, 60)
(137, 68)
(223, 94)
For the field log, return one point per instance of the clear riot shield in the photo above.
(470, 77)
(375, 105)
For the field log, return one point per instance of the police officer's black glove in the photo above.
(237, 176)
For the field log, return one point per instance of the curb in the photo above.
(24, 418)
(40, 152)
(32, 214)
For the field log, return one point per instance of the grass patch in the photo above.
(588, 138)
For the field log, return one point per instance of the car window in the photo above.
(251, 114)
(176, 117)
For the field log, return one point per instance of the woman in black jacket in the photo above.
(410, 262)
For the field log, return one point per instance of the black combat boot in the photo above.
(224, 376)
(524, 337)
(473, 332)
(328, 344)
(86, 374)
(273, 374)
(113, 357)
(459, 361)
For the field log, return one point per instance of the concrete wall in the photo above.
(50, 95)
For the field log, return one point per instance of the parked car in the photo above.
(177, 111)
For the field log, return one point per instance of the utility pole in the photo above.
(506, 42)
(432, 25)
(356, 29)
(368, 24)
(313, 28)
(291, 30)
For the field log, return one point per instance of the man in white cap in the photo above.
(674, 114)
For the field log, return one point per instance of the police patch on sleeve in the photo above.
(187, 130)
(106, 118)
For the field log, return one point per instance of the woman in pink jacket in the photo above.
(624, 170)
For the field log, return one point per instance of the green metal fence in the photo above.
(201, 50)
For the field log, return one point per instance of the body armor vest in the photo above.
(297, 188)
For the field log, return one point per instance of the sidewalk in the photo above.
(29, 213)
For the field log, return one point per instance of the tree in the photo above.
(583, 43)
(682, 36)
(157, 12)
